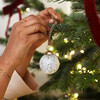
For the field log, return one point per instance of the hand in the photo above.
(24, 33)
(49, 15)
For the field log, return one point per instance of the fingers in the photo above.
(30, 20)
(49, 15)
(31, 25)
(34, 37)
(56, 16)
(59, 17)
(48, 12)
(52, 12)
(44, 14)
(43, 22)
(36, 28)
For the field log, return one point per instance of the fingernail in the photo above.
(51, 21)
(56, 16)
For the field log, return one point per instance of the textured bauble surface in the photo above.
(49, 63)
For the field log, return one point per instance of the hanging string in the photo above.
(51, 29)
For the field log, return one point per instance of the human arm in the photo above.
(4, 79)
(23, 35)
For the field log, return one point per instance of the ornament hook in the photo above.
(51, 29)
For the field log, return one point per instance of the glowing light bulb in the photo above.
(27, 9)
(57, 54)
(72, 41)
(84, 68)
(90, 39)
(88, 71)
(91, 72)
(76, 95)
(66, 40)
(66, 96)
(80, 71)
(72, 72)
(22, 12)
(96, 80)
(72, 52)
(66, 56)
(50, 48)
(79, 66)
(85, 78)
(82, 51)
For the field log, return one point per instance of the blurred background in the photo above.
(78, 77)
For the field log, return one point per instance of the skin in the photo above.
(26, 36)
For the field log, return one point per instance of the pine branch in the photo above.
(3, 41)
(62, 79)
(34, 65)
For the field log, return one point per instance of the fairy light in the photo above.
(72, 52)
(72, 72)
(69, 94)
(81, 51)
(72, 41)
(76, 95)
(84, 68)
(91, 72)
(96, 80)
(84, 71)
(80, 71)
(66, 96)
(85, 78)
(57, 54)
(22, 12)
(50, 48)
(79, 66)
(27, 9)
(65, 56)
(94, 71)
(90, 39)
(88, 71)
(66, 40)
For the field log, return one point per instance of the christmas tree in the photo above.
(74, 46)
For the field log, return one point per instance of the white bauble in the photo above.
(49, 63)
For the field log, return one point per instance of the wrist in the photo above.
(31, 51)
(6, 65)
